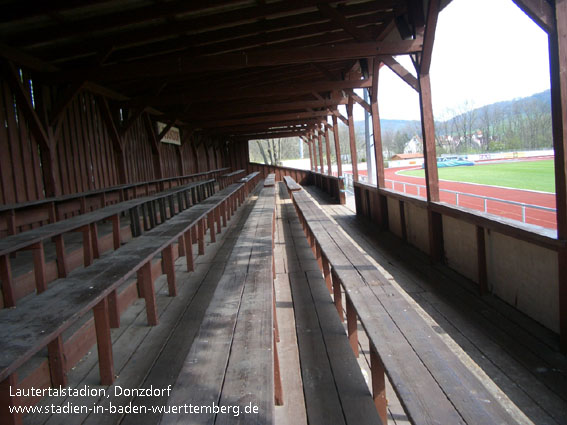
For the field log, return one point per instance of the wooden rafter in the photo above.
(25, 105)
(246, 93)
(246, 109)
(429, 37)
(230, 61)
(402, 72)
(259, 119)
(540, 11)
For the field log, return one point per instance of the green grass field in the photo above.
(532, 175)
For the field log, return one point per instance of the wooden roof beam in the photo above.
(541, 13)
(399, 70)
(289, 125)
(259, 119)
(231, 61)
(266, 136)
(429, 37)
(233, 24)
(231, 110)
(246, 93)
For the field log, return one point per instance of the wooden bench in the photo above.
(163, 202)
(333, 385)
(15, 218)
(229, 178)
(333, 186)
(40, 321)
(292, 186)
(270, 180)
(433, 385)
(249, 181)
(231, 360)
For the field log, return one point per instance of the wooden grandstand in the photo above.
(141, 250)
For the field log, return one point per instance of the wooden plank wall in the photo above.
(138, 153)
(169, 160)
(20, 174)
(85, 155)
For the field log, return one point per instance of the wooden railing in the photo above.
(15, 218)
(518, 262)
(333, 186)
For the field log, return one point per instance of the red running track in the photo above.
(533, 216)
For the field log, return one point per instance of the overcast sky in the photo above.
(485, 51)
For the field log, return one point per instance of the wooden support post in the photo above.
(337, 145)
(562, 277)
(117, 142)
(314, 149)
(217, 212)
(403, 226)
(116, 237)
(376, 130)
(278, 389)
(558, 70)
(94, 240)
(136, 214)
(83, 202)
(320, 144)
(162, 211)
(52, 212)
(327, 273)
(189, 250)
(436, 249)
(155, 145)
(481, 261)
(57, 367)
(352, 139)
(152, 214)
(201, 236)
(352, 326)
(39, 267)
(310, 154)
(104, 342)
(7, 401)
(11, 222)
(113, 310)
(224, 213)
(328, 150)
(181, 246)
(87, 246)
(62, 268)
(172, 206)
(318, 255)
(7, 282)
(146, 282)
(211, 221)
(428, 131)
(337, 295)
(378, 385)
(169, 265)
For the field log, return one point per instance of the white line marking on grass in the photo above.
(474, 184)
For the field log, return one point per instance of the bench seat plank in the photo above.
(389, 319)
(238, 327)
(22, 240)
(30, 326)
(250, 373)
(73, 196)
(291, 184)
(465, 391)
(270, 180)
